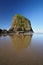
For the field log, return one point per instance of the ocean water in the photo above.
(21, 49)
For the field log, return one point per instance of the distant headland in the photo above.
(20, 24)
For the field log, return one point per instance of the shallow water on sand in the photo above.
(21, 50)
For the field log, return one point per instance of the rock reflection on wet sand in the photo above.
(19, 42)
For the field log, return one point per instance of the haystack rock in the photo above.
(20, 23)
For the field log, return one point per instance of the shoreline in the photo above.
(16, 33)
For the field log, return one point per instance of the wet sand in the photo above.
(21, 49)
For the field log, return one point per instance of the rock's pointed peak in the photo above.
(19, 16)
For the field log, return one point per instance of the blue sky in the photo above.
(32, 9)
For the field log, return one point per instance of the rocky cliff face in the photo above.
(20, 23)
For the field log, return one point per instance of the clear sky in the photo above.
(32, 9)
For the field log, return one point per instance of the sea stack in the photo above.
(20, 23)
